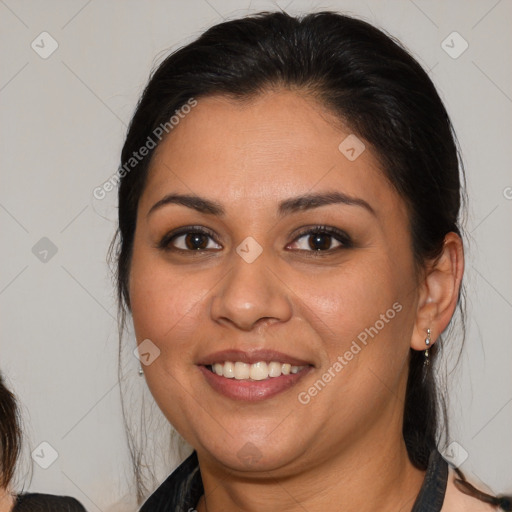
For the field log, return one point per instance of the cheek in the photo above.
(165, 305)
(363, 315)
(164, 302)
(350, 299)
(365, 326)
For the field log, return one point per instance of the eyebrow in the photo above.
(286, 207)
(309, 201)
(200, 204)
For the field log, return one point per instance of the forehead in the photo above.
(262, 150)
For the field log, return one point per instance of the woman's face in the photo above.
(230, 277)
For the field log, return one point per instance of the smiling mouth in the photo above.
(261, 370)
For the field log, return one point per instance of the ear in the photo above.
(439, 292)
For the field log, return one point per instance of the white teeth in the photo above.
(228, 370)
(242, 370)
(257, 371)
(274, 369)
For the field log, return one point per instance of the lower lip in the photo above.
(252, 390)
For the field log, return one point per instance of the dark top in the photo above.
(46, 503)
(183, 488)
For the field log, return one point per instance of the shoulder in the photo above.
(47, 503)
(457, 501)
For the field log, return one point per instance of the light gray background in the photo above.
(62, 125)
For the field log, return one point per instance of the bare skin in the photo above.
(345, 445)
(6, 501)
(456, 501)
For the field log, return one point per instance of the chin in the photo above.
(252, 454)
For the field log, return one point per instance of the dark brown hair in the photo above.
(10, 435)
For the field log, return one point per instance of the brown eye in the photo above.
(188, 240)
(322, 239)
(195, 241)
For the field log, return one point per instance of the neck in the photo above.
(6, 500)
(388, 479)
(369, 470)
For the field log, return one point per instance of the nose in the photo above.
(251, 295)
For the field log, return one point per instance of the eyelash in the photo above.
(340, 236)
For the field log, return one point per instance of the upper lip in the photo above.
(251, 357)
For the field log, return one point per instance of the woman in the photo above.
(289, 250)
(10, 446)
